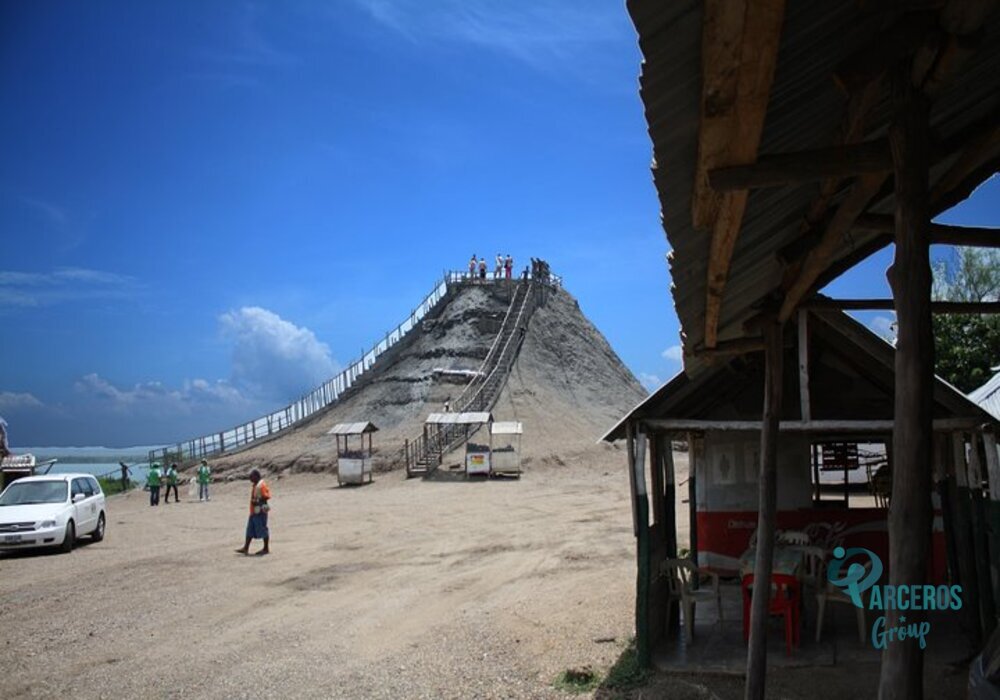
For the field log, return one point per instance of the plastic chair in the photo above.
(785, 600)
(834, 594)
(813, 569)
(681, 575)
(793, 537)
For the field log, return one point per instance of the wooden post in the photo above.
(670, 521)
(695, 453)
(643, 574)
(987, 607)
(946, 489)
(993, 509)
(910, 515)
(803, 333)
(766, 514)
(964, 551)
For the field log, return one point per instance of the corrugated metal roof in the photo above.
(805, 111)
(459, 418)
(352, 428)
(711, 385)
(506, 428)
(988, 396)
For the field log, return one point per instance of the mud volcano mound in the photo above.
(567, 385)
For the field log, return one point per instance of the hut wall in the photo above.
(726, 498)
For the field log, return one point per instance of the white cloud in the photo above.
(12, 401)
(650, 381)
(273, 358)
(537, 32)
(34, 289)
(674, 353)
(885, 326)
(155, 398)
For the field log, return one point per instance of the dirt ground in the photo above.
(401, 588)
(398, 589)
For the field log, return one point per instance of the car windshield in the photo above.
(22, 493)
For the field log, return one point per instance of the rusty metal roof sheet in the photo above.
(805, 111)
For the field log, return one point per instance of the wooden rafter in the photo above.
(937, 60)
(941, 234)
(804, 166)
(937, 307)
(817, 260)
(739, 52)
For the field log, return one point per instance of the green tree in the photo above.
(967, 346)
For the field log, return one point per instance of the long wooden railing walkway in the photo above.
(326, 394)
(331, 391)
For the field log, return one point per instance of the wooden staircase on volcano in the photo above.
(425, 453)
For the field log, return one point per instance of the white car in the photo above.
(51, 511)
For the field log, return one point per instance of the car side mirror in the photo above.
(77, 497)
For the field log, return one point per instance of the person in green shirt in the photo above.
(204, 479)
(172, 484)
(153, 482)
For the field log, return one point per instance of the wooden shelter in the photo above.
(353, 466)
(715, 409)
(791, 140)
(477, 457)
(14, 467)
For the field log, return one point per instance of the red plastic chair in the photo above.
(785, 600)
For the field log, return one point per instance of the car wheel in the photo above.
(70, 539)
(98, 533)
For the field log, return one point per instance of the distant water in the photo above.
(111, 469)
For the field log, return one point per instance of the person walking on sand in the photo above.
(260, 495)
(472, 267)
(204, 478)
(124, 476)
(508, 266)
(498, 270)
(153, 482)
(172, 484)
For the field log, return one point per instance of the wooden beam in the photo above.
(981, 150)
(798, 426)
(941, 234)
(767, 513)
(805, 166)
(911, 516)
(740, 42)
(723, 348)
(722, 46)
(937, 307)
(818, 259)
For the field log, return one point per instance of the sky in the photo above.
(209, 207)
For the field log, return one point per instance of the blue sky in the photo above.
(208, 207)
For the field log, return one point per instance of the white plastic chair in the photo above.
(834, 594)
(681, 576)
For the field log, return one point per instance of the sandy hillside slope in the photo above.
(567, 386)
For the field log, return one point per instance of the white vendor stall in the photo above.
(506, 442)
(447, 428)
(353, 466)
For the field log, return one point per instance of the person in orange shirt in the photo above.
(260, 495)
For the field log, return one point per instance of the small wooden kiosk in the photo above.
(506, 443)
(14, 467)
(353, 466)
(477, 457)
